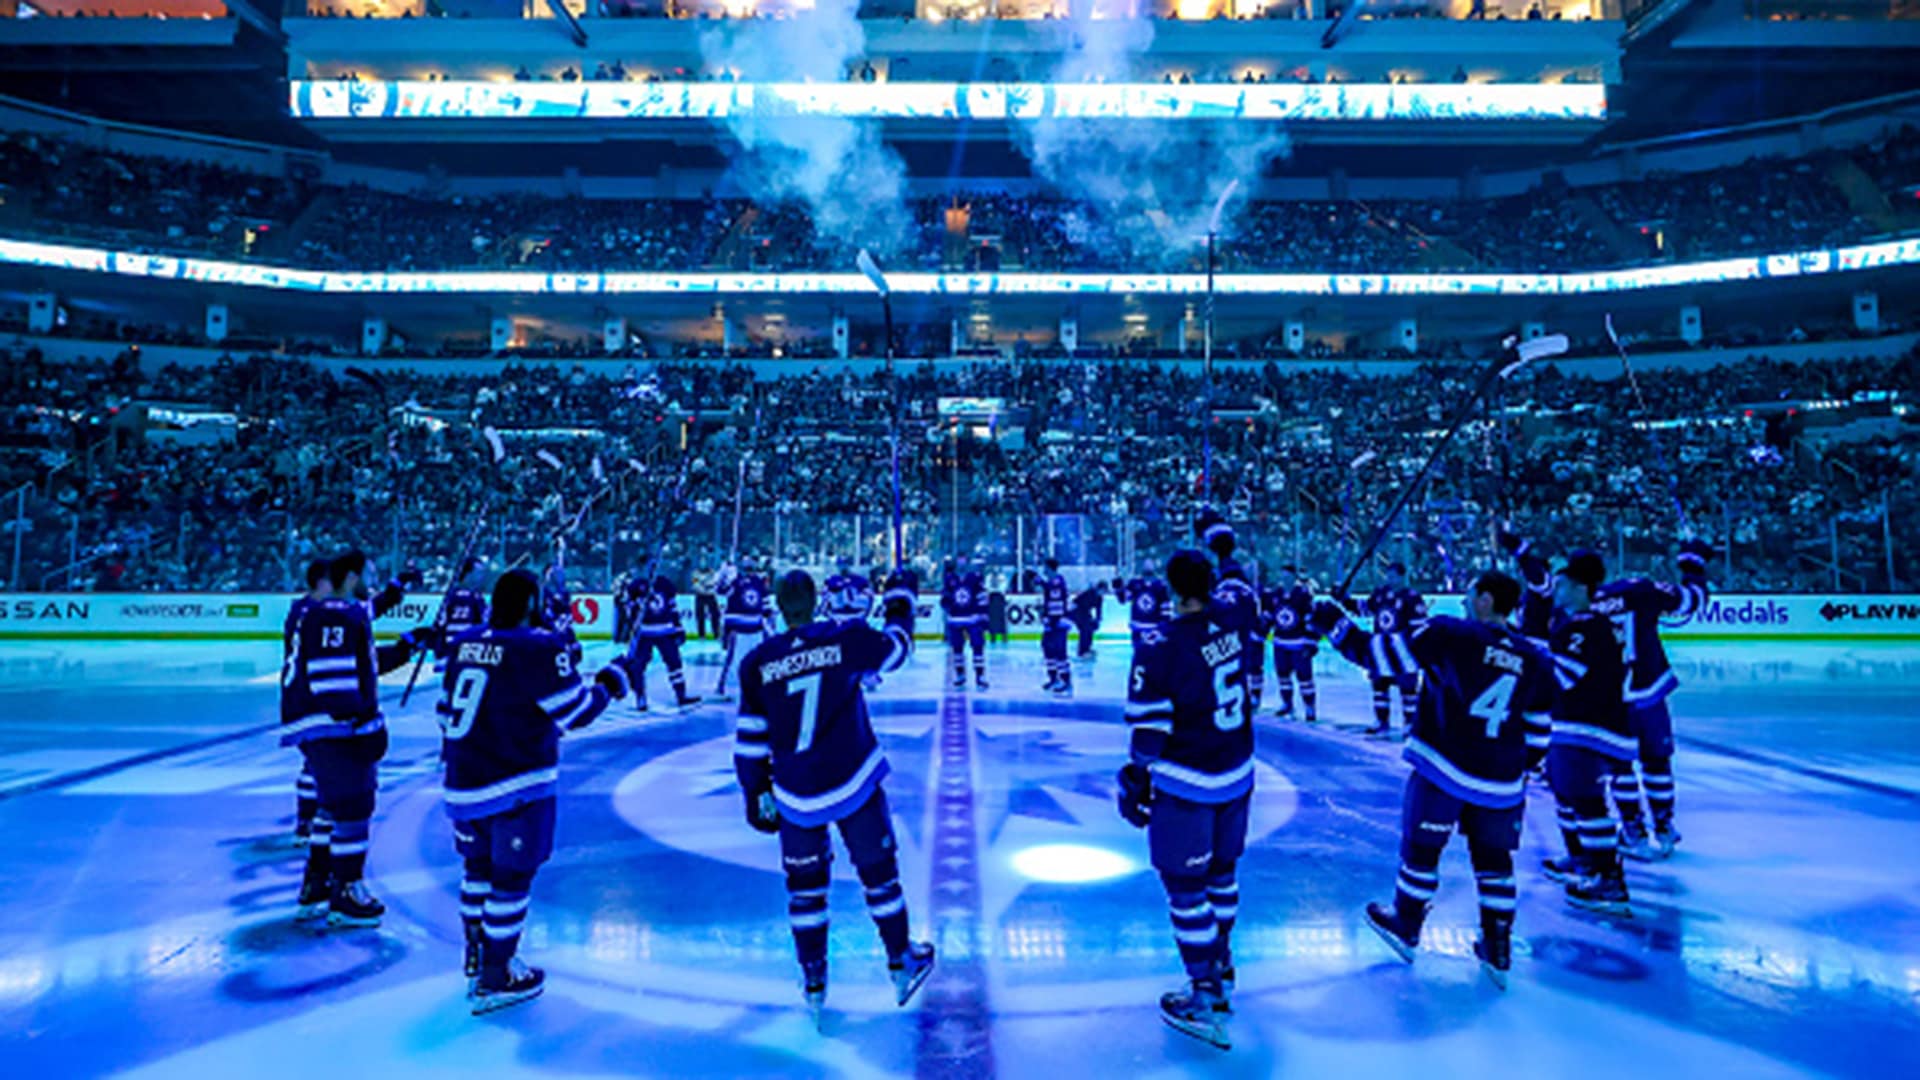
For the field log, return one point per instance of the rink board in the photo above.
(258, 616)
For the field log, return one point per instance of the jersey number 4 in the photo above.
(463, 705)
(1495, 704)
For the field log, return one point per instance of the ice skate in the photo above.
(1398, 936)
(470, 961)
(1195, 1012)
(911, 970)
(1635, 844)
(1379, 732)
(1565, 870)
(519, 983)
(314, 896)
(1665, 839)
(1227, 979)
(353, 906)
(1605, 894)
(813, 986)
(980, 683)
(1495, 953)
(1284, 714)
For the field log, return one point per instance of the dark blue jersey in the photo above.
(900, 599)
(1188, 708)
(748, 601)
(1636, 606)
(1087, 604)
(1053, 599)
(295, 612)
(329, 686)
(1394, 611)
(465, 609)
(1482, 718)
(1147, 600)
(660, 611)
(1537, 609)
(963, 597)
(1289, 615)
(1589, 665)
(1236, 604)
(505, 697)
(804, 732)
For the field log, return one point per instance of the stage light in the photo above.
(1071, 864)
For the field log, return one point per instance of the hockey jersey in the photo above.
(849, 596)
(506, 696)
(1483, 716)
(1589, 665)
(1289, 614)
(748, 610)
(1236, 604)
(329, 685)
(1188, 708)
(963, 597)
(463, 610)
(1394, 612)
(803, 731)
(660, 611)
(1636, 606)
(1537, 610)
(1147, 603)
(1053, 600)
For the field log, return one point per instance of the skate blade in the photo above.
(904, 988)
(1400, 948)
(1559, 877)
(351, 922)
(1619, 909)
(1494, 975)
(485, 1002)
(307, 913)
(817, 1011)
(1211, 1032)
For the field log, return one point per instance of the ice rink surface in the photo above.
(145, 923)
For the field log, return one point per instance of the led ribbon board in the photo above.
(1296, 102)
(1883, 255)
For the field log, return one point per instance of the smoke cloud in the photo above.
(1153, 187)
(850, 182)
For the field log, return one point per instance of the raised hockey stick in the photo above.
(1513, 357)
(1206, 351)
(1667, 463)
(440, 617)
(872, 270)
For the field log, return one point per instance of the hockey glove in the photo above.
(762, 814)
(423, 637)
(898, 610)
(1327, 614)
(1693, 557)
(1511, 543)
(410, 578)
(1135, 798)
(388, 598)
(613, 679)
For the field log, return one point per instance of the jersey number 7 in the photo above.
(809, 690)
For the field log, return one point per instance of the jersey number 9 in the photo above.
(463, 705)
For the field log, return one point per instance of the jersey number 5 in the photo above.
(1227, 697)
(463, 704)
(1495, 704)
(809, 691)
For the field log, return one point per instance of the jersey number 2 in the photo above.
(1494, 704)
(809, 691)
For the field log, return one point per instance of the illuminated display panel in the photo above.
(1891, 253)
(412, 100)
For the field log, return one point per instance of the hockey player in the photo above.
(1636, 606)
(849, 595)
(1480, 725)
(963, 600)
(659, 630)
(1189, 783)
(1394, 610)
(1288, 609)
(806, 757)
(745, 623)
(510, 689)
(465, 609)
(330, 709)
(1085, 615)
(1054, 616)
(899, 600)
(310, 827)
(1592, 734)
(1147, 605)
(1234, 595)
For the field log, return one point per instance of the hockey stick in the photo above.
(446, 599)
(1653, 433)
(872, 270)
(1512, 358)
(1206, 352)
